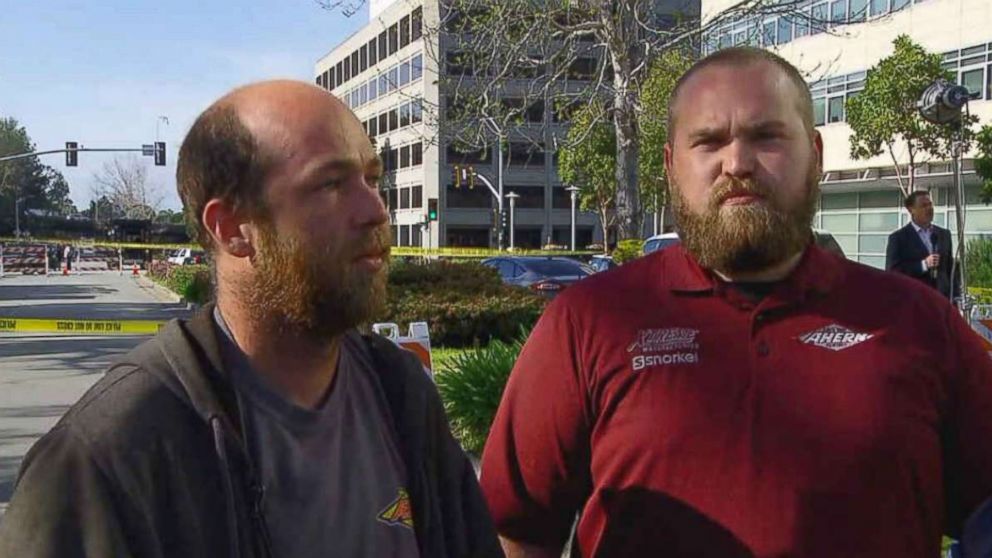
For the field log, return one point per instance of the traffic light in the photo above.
(432, 209)
(71, 156)
(160, 154)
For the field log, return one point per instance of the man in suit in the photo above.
(921, 249)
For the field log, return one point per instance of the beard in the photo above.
(749, 237)
(315, 290)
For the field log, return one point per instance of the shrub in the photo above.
(464, 303)
(192, 282)
(472, 388)
(978, 262)
(627, 250)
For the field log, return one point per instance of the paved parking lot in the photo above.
(42, 375)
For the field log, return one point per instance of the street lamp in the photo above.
(574, 194)
(512, 196)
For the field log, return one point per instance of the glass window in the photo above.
(417, 155)
(383, 47)
(356, 99)
(818, 17)
(877, 262)
(393, 200)
(392, 78)
(974, 80)
(878, 7)
(404, 235)
(339, 73)
(404, 31)
(847, 242)
(416, 111)
(383, 84)
(835, 109)
(383, 123)
(988, 83)
(840, 222)
(404, 115)
(416, 20)
(879, 222)
(373, 87)
(331, 80)
(784, 30)
(394, 42)
(394, 120)
(881, 200)
(405, 156)
(373, 127)
(858, 10)
(373, 52)
(415, 234)
(347, 69)
(838, 11)
(802, 25)
(899, 4)
(404, 198)
(363, 58)
(417, 196)
(416, 67)
(363, 94)
(404, 73)
(874, 243)
(354, 63)
(847, 200)
(819, 111)
(768, 33)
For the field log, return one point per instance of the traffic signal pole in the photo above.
(158, 152)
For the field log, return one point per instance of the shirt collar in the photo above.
(919, 228)
(816, 272)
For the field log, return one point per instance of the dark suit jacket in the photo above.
(905, 253)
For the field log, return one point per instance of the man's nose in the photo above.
(369, 210)
(738, 160)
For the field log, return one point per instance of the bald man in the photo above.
(266, 425)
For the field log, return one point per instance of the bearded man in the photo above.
(266, 425)
(745, 394)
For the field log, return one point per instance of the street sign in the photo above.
(147, 150)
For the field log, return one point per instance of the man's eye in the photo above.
(373, 179)
(333, 183)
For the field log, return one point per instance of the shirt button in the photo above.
(763, 349)
(759, 318)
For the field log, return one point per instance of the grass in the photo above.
(443, 358)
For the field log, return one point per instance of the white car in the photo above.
(822, 238)
(185, 256)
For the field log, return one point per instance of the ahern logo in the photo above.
(834, 337)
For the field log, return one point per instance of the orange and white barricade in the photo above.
(417, 341)
(26, 259)
(981, 322)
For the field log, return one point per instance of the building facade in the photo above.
(387, 72)
(835, 42)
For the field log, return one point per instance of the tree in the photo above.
(655, 93)
(589, 163)
(123, 182)
(983, 162)
(27, 183)
(884, 118)
(170, 216)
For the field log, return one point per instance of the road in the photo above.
(42, 375)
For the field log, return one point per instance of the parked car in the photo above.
(187, 256)
(822, 238)
(659, 241)
(546, 275)
(600, 263)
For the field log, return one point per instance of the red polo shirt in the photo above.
(684, 420)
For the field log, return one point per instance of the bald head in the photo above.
(247, 135)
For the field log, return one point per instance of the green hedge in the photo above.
(464, 303)
(978, 260)
(192, 282)
(627, 250)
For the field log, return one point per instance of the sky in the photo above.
(103, 72)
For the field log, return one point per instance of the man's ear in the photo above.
(818, 147)
(228, 230)
(668, 160)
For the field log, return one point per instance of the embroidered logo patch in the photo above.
(664, 346)
(399, 511)
(834, 337)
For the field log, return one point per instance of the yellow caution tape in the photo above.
(87, 327)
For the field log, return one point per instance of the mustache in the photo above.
(378, 243)
(729, 187)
